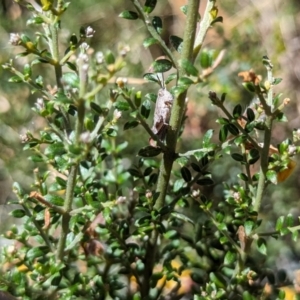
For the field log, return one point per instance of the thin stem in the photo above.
(43, 201)
(229, 116)
(38, 227)
(217, 224)
(100, 122)
(178, 108)
(169, 156)
(145, 18)
(95, 91)
(247, 167)
(267, 138)
(264, 164)
(145, 125)
(71, 183)
(58, 68)
(204, 25)
(67, 208)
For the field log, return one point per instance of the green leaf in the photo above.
(148, 171)
(243, 177)
(15, 79)
(170, 78)
(218, 280)
(60, 97)
(112, 132)
(35, 252)
(237, 111)
(71, 79)
(176, 42)
(56, 149)
(279, 223)
(129, 15)
(250, 114)
(122, 105)
(145, 109)
(25, 39)
(178, 184)
(151, 97)
(149, 6)
(185, 81)
(36, 158)
(74, 39)
(295, 236)
(109, 57)
(138, 98)
(249, 225)
(153, 179)
(223, 97)
(149, 42)
(262, 246)
(71, 66)
(223, 133)
(237, 156)
(27, 71)
(223, 121)
(276, 81)
(184, 9)
(229, 258)
(157, 24)
(186, 174)
(189, 68)
(162, 65)
(281, 117)
(35, 20)
(182, 217)
(272, 176)
(96, 108)
(196, 167)
(134, 172)
(62, 182)
(247, 296)
(152, 77)
(130, 124)
(206, 58)
(233, 129)
(218, 19)
(149, 151)
(207, 137)
(205, 181)
(253, 156)
(18, 213)
(249, 86)
(54, 199)
(289, 220)
(178, 90)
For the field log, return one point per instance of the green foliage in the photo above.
(98, 224)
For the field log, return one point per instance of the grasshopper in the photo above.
(162, 113)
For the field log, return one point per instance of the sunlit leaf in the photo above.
(149, 6)
(161, 65)
(157, 24)
(182, 217)
(149, 42)
(262, 246)
(189, 68)
(186, 174)
(149, 151)
(129, 15)
(176, 42)
(131, 124)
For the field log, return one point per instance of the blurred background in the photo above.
(250, 29)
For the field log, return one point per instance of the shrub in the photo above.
(98, 223)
